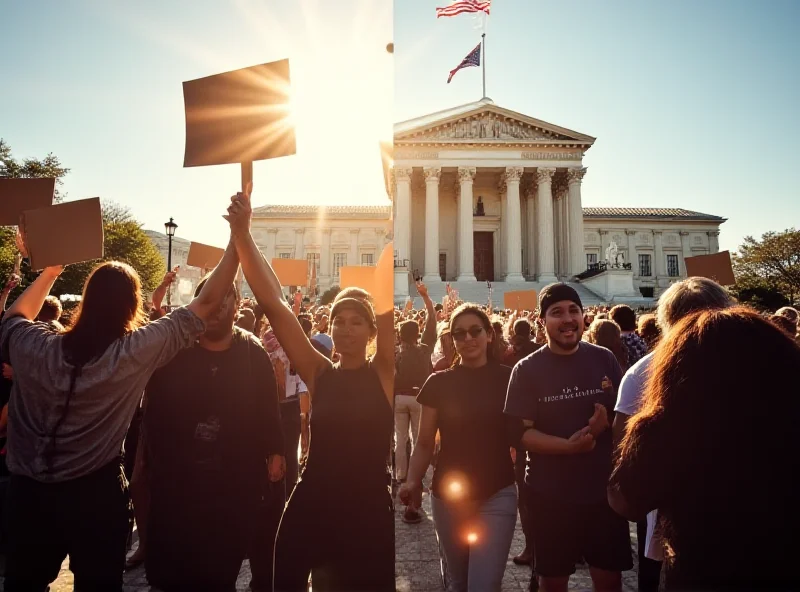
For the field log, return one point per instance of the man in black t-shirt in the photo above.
(565, 393)
(214, 459)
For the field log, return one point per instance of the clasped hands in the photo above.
(585, 439)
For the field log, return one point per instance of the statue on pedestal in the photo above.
(611, 254)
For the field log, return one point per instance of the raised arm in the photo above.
(30, 301)
(267, 289)
(161, 290)
(429, 334)
(217, 286)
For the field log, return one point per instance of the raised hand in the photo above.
(20, 241)
(240, 212)
(422, 289)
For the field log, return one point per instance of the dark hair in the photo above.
(474, 309)
(649, 330)
(606, 333)
(305, 323)
(51, 310)
(522, 328)
(784, 324)
(111, 307)
(702, 379)
(624, 316)
(409, 332)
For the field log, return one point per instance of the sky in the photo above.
(99, 84)
(694, 104)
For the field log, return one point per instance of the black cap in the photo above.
(553, 293)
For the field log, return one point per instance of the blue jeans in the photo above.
(476, 566)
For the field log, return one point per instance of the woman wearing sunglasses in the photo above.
(474, 496)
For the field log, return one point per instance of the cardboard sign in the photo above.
(204, 256)
(65, 233)
(291, 272)
(238, 116)
(378, 280)
(520, 300)
(715, 267)
(19, 195)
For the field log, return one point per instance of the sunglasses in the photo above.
(461, 334)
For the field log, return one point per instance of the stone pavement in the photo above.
(417, 563)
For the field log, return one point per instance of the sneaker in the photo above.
(411, 516)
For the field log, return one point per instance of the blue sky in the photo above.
(99, 85)
(694, 104)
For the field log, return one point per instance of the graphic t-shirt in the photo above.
(475, 433)
(558, 393)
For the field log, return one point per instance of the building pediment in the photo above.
(485, 123)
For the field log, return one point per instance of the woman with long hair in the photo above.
(73, 398)
(712, 450)
(474, 495)
(607, 334)
(351, 431)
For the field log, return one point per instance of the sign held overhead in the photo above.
(18, 195)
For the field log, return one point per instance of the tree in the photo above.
(770, 267)
(32, 168)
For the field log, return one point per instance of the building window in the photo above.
(591, 259)
(672, 266)
(339, 260)
(313, 259)
(284, 255)
(367, 259)
(443, 266)
(644, 266)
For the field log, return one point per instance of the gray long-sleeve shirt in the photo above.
(106, 394)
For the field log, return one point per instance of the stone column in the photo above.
(402, 223)
(502, 237)
(513, 175)
(325, 269)
(713, 242)
(633, 256)
(466, 258)
(544, 228)
(353, 256)
(658, 255)
(531, 197)
(299, 245)
(272, 235)
(577, 255)
(686, 248)
(432, 176)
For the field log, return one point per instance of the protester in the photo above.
(351, 428)
(50, 313)
(447, 350)
(677, 302)
(214, 463)
(521, 345)
(649, 331)
(718, 467)
(73, 398)
(474, 497)
(565, 393)
(607, 334)
(624, 316)
(784, 324)
(412, 368)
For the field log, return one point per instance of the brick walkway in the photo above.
(417, 563)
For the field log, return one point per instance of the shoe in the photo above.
(524, 558)
(411, 516)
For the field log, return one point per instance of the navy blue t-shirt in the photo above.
(558, 393)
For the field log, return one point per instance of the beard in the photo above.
(566, 335)
(218, 331)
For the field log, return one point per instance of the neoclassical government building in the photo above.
(478, 193)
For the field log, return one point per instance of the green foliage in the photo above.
(125, 240)
(768, 270)
(32, 168)
(328, 295)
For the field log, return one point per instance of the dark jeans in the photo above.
(86, 518)
(290, 422)
(199, 545)
(649, 569)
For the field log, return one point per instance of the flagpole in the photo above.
(483, 51)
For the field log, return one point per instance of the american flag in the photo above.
(464, 6)
(472, 59)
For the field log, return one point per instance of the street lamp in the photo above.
(170, 227)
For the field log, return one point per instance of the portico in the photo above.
(484, 193)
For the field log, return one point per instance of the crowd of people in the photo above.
(235, 429)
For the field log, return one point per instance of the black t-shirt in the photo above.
(211, 421)
(558, 393)
(475, 434)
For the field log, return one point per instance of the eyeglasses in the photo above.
(461, 334)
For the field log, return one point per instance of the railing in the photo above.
(599, 267)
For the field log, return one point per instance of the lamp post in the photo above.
(170, 227)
